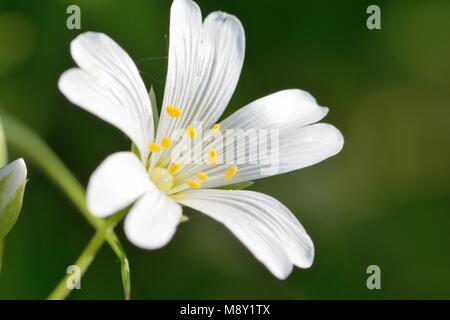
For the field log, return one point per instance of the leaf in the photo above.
(12, 187)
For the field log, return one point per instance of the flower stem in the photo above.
(87, 256)
(37, 151)
(83, 262)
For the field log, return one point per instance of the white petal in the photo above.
(13, 176)
(119, 180)
(298, 148)
(108, 85)
(205, 62)
(153, 220)
(264, 225)
(285, 108)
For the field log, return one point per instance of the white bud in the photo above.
(12, 185)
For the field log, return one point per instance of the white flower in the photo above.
(205, 61)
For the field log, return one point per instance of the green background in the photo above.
(383, 200)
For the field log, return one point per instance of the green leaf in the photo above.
(12, 186)
(238, 186)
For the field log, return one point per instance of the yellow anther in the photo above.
(202, 176)
(212, 157)
(174, 168)
(165, 142)
(173, 111)
(153, 147)
(191, 132)
(216, 127)
(193, 184)
(230, 173)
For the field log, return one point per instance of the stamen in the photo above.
(153, 147)
(165, 142)
(193, 184)
(202, 176)
(173, 111)
(190, 131)
(174, 168)
(212, 157)
(216, 127)
(230, 173)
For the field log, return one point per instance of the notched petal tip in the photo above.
(302, 255)
(220, 22)
(88, 36)
(185, 8)
(263, 224)
(153, 221)
(117, 182)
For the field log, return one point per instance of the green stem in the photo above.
(87, 256)
(62, 290)
(37, 151)
(43, 157)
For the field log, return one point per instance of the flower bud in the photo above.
(13, 178)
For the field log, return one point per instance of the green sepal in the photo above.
(135, 150)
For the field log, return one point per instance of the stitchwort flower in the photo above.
(205, 61)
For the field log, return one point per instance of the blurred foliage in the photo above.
(384, 200)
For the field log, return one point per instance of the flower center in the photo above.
(162, 178)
